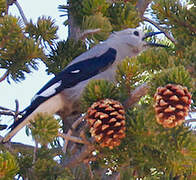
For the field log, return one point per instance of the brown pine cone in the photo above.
(106, 119)
(172, 104)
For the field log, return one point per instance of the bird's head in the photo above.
(135, 39)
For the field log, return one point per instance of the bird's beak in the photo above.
(150, 34)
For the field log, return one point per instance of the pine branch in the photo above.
(71, 138)
(4, 76)
(9, 112)
(142, 6)
(88, 32)
(78, 157)
(160, 28)
(35, 151)
(192, 111)
(90, 171)
(136, 95)
(6, 111)
(16, 147)
(21, 12)
(190, 120)
(74, 30)
(69, 133)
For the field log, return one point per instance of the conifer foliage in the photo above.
(138, 127)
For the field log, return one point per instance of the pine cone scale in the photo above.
(172, 104)
(106, 119)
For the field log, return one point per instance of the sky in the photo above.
(25, 90)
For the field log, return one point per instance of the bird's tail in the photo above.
(19, 124)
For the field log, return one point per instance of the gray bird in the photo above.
(62, 93)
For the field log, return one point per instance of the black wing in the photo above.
(70, 77)
(81, 71)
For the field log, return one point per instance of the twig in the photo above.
(90, 171)
(69, 133)
(82, 135)
(10, 112)
(190, 120)
(34, 151)
(14, 146)
(160, 28)
(88, 32)
(21, 12)
(79, 156)
(3, 108)
(16, 111)
(71, 138)
(192, 111)
(7, 113)
(136, 95)
(4, 76)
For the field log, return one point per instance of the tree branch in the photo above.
(82, 154)
(4, 76)
(21, 12)
(88, 32)
(90, 171)
(9, 112)
(16, 147)
(190, 120)
(16, 111)
(160, 28)
(79, 156)
(142, 6)
(136, 95)
(71, 138)
(69, 133)
(35, 151)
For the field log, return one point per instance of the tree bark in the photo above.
(74, 31)
(142, 6)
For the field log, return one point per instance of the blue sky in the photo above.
(26, 89)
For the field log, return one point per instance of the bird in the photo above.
(63, 92)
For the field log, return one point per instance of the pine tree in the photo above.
(149, 109)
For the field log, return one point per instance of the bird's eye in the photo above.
(136, 33)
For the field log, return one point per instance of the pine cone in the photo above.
(106, 119)
(172, 104)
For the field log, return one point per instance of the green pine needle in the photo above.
(123, 15)
(45, 30)
(2, 7)
(97, 21)
(44, 128)
(8, 166)
(63, 53)
(97, 90)
(175, 75)
(129, 75)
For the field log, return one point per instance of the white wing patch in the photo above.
(48, 92)
(75, 71)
